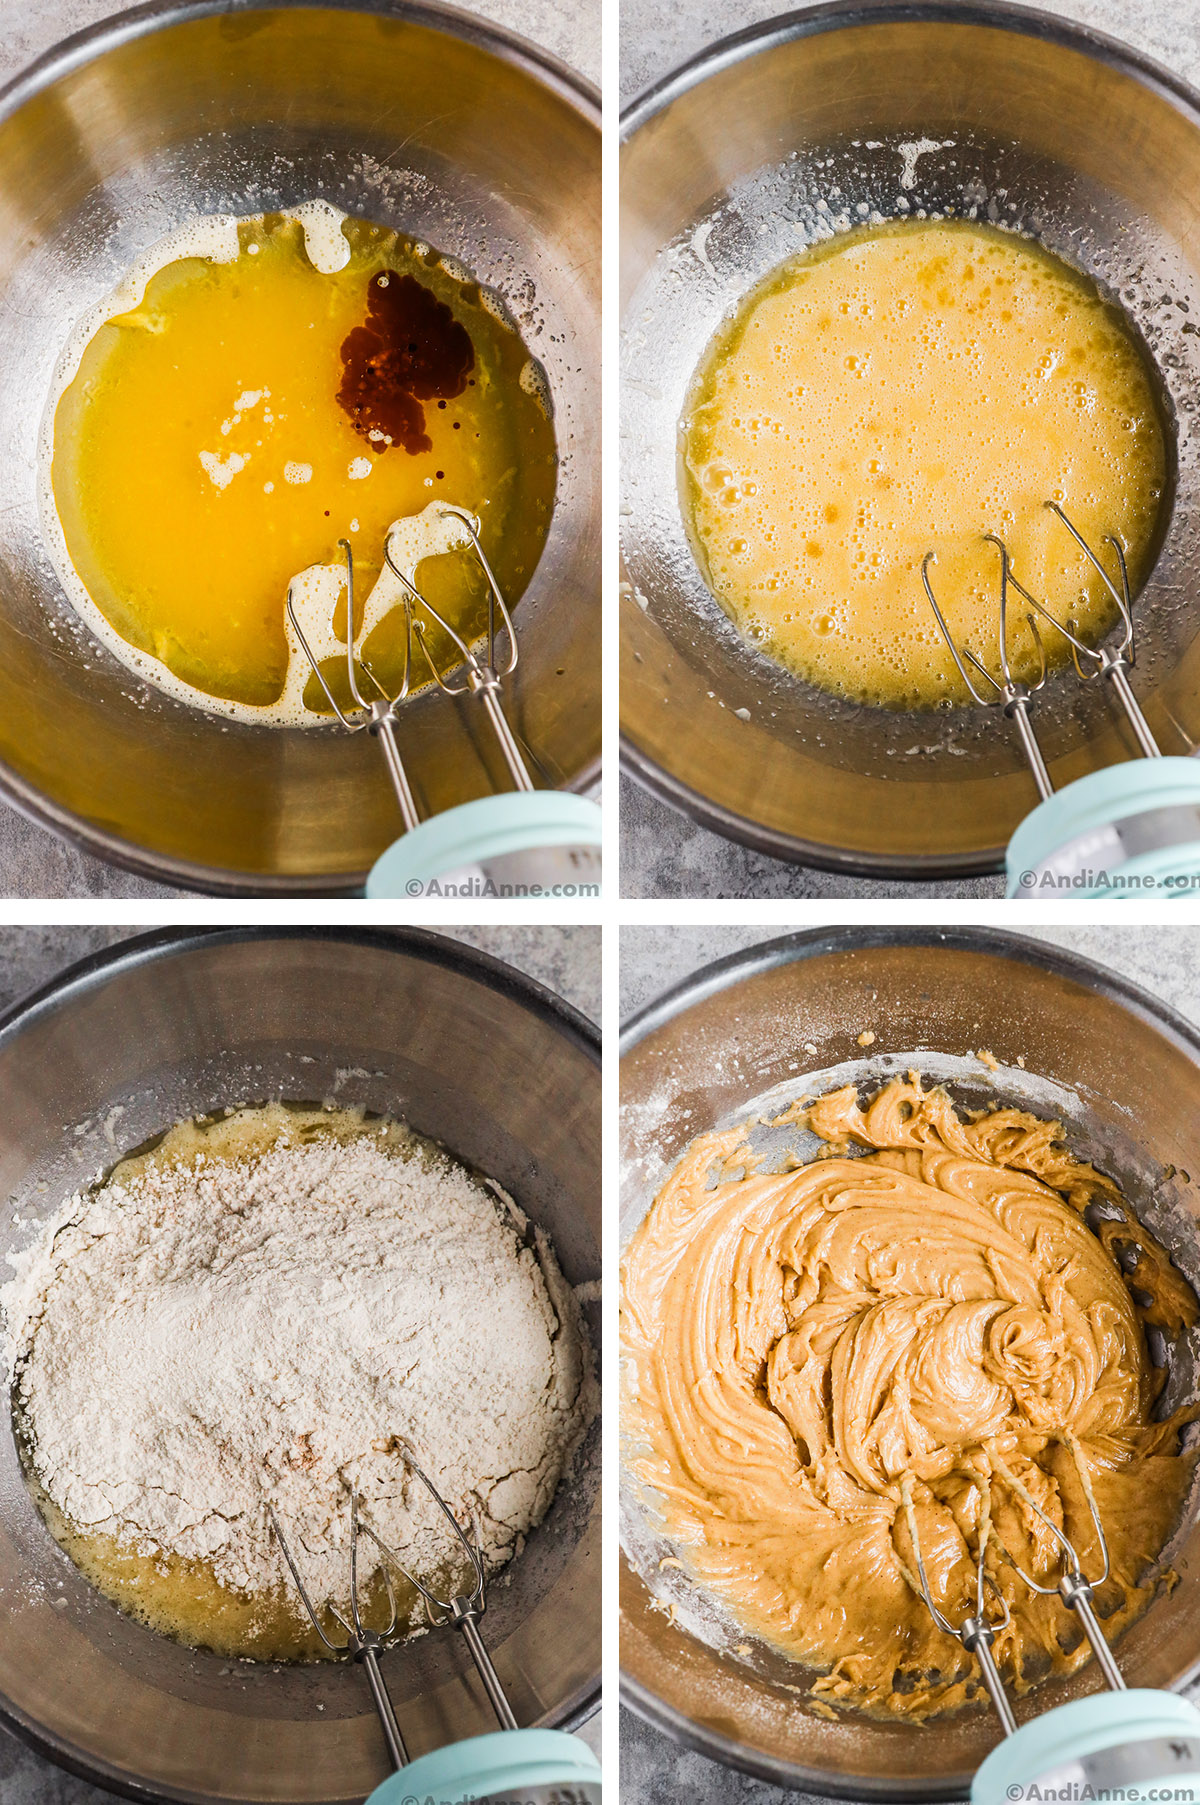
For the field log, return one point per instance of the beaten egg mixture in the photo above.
(909, 388)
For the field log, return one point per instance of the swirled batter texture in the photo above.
(933, 1317)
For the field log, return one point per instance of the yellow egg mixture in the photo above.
(258, 390)
(907, 388)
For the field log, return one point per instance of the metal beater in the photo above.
(1129, 1744)
(536, 1767)
(1125, 830)
(523, 842)
(362, 1644)
(463, 1609)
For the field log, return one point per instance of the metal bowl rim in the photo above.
(722, 974)
(86, 46)
(91, 973)
(94, 969)
(792, 848)
(812, 21)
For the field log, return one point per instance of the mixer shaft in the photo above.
(1015, 698)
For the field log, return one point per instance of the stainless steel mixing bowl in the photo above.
(1117, 1066)
(407, 112)
(726, 168)
(468, 1051)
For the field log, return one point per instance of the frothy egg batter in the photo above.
(257, 390)
(907, 388)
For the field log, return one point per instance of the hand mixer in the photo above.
(508, 1767)
(524, 842)
(1138, 1744)
(1121, 831)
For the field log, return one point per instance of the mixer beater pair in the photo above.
(536, 1767)
(528, 839)
(1134, 1742)
(1122, 830)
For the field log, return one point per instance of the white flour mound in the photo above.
(190, 1341)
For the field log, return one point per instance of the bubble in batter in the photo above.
(906, 388)
(936, 1318)
(257, 390)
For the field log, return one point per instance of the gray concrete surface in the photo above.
(34, 862)
(565, 960)
(662, 852)
(1163, 960)
(655, 38)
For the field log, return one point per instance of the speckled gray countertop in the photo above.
(656, 39)
(565, 960)
(662, 852)
(34, 862)
(1164, 961)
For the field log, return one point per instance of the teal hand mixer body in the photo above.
(1127, 830)
(1128, 1744)
(509, 1767)
(522, 842)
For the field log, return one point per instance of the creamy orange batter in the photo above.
(260, 390)
(933, 1317)
(907, 388)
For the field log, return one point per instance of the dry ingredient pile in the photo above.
(266, 1307)
(934, 1318)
